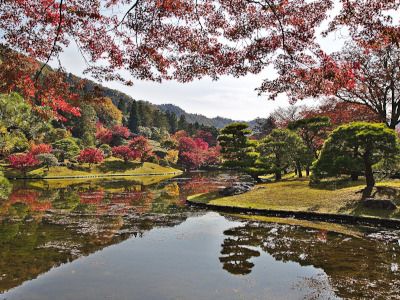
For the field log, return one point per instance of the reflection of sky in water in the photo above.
(170, 263)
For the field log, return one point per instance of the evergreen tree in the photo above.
(182, 123)
(191, 130)
(356, 148)
(134, 118)
(122, 107)
(238, 151)
(172, 121)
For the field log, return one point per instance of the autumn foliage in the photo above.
(125, 153)
(22, 162)
(90, 156)
(40, 149)
(142, 146)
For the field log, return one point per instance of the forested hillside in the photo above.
(218, 122)
(116, 96)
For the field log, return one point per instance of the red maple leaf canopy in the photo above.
(188, 39)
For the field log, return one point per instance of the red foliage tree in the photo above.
(40, 149)
(22, 162)
(125, 153)
(120, 131)
(340, 112)
(179, 134)
(105, 136)
(213, 156)
(201, 144)
(90, 156)
(187, 144)
(206, 137)
(191, 160)
(142, 146)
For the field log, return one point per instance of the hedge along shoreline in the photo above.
(301, 215)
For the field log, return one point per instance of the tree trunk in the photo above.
(278, 175)
(298, 167)
(354, 176)
(295, 171)
(369, 175)
(307, 171)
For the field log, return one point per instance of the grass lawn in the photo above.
(109, 167)
(296, 194)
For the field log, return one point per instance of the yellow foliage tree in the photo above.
(172, 156)
(107, 112)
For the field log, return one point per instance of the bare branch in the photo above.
(54, 44)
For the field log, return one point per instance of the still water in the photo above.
(136, 239)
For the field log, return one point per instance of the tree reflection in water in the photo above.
(46, 224)
(365, 266)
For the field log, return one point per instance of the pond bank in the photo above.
(340, 201)
(108, 168)
(301, 215)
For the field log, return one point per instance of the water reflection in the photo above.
(361, 265)
(45, 224)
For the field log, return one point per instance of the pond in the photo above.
(134, 238)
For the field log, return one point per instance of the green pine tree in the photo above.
(134, 120)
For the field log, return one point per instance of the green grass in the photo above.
(109, 167)
(296, 194)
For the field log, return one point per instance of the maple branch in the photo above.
(198, 17)
(272, 8)
(54, 44)
(126, 14)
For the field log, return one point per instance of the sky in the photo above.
(229, 97)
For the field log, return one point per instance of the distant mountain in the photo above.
(116, 95)
(218, 122)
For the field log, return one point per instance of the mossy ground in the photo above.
(109, 167)
(296, 194)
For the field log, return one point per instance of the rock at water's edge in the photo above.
(237, 188)
(380, 203)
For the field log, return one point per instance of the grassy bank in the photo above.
(109, 167)
(294, 194)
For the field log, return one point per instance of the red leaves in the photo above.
(142, 146)
(125, 153)
(105, 136)
(120, 131)
(40, 149)
(90, 156)
(22, 162)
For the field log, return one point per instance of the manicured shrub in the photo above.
(153, 159)
(163, 162)
(69, 147)
(105, 149)
(48, 160)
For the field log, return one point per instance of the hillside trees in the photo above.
(107, 112)
(18, 124)
(134, 120)
(355, 148)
